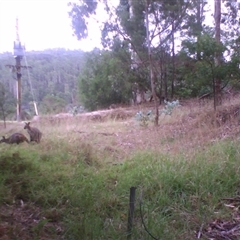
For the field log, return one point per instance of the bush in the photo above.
(144, 118)
(169, 106)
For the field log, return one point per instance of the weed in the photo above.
(169, 106)
(144, 118)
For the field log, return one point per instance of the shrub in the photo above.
(169, 106)
(144, 118)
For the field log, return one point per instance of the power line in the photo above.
(31, 88)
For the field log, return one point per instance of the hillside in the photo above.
(185, 167)
(192, 125)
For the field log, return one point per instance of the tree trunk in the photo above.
(3, 114)
(217, 82)
(173, 62)
(151, 68)
(199, 27)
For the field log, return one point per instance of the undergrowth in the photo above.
(75, 196)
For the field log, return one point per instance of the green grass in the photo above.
(73, 188)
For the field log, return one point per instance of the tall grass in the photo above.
(72, 187)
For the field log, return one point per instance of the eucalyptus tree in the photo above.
(127, 23)
(148, 25)
(218, 54)
(230, 32)
(80, 14)
(230, 19)
(145, 26)
(164, 19)
(199, 76)
(194, 25)
(189, 84)
(105, 79)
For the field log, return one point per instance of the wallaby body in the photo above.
(15, 138)
(34, 133)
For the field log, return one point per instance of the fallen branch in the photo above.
(102, 133)
(237, 199)
(200, 232)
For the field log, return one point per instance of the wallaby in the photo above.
(15, 138)
(34, 133)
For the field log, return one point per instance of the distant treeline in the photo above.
(51, 81)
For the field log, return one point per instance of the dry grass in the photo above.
(112, 137)
(115, 134)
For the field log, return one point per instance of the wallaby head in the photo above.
(3, 139)
(34, 133)
(27, 125)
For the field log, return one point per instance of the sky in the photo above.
(42, 24)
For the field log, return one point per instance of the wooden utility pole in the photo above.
(19, 84)
(18, 55)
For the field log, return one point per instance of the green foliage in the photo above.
(109, 76)
(199, 74)
(209, 47)
(144, 118)
(104, 81)
(7, 102)
(53, 73)
(76, 109)
(52, 104)
(193, 77)
(134, 23)
(80, 16)
(169, 106)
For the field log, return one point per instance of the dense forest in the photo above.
(152, 50)
(51, 81)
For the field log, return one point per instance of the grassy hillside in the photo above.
(75, 184)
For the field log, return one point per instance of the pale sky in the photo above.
(45, 24)
(42, 24)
